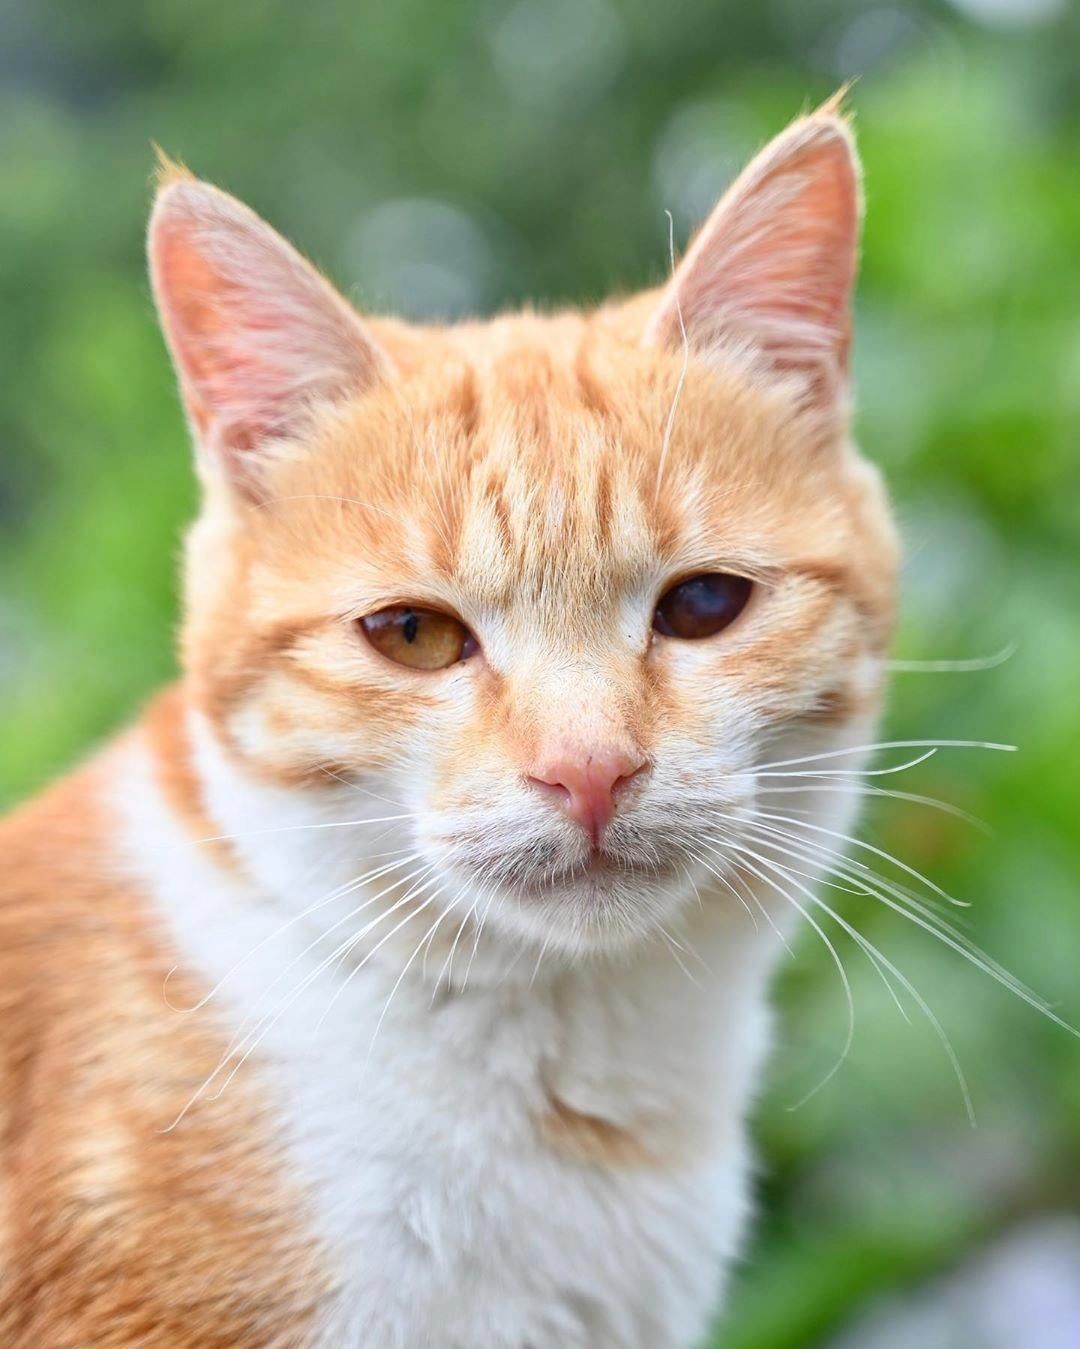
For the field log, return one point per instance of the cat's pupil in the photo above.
(409, 626)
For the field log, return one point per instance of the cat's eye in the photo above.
(702, 605)
(423, 639)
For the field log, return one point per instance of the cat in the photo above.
(400, 977)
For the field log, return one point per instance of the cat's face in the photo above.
(548, 588)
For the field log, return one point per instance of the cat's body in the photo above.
(499, 994)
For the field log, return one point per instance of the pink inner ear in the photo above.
(774, 265)
(256, 334)
(212, 375)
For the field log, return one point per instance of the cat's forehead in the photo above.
(543, 461)
(554, 529)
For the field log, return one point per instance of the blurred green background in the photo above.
(442, 158)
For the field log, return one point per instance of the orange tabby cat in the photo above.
(345, 996)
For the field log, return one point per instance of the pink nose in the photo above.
(585, 783)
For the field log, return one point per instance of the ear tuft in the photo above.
(259, 339)
(772, 270)
(168, 170)
(836, 105)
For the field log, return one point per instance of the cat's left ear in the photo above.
(772, 271)
(259, 339)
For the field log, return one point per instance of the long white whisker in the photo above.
(339, 893)
(970, 953)
(405, 968)
(260, 1031)
(669, 425)
(696, 856)
(868, 847)
(358, 787)
(674, 947)
(251, 1033)
(852, 772)
(413, 876)
(694, 885)
(295, 828)
(833, 953)
(447, 969)
(867, 789)
(889, 744)
(830, 862)
(789, 874)
(321, 496)
(952, 666)
(416, 890)
(919, 1000)
(540, 956)
(881, 964)
(476, 942)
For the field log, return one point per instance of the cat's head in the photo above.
(552, 585)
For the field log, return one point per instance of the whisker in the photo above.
(339, 893)
(889, 744)
(340, 953)
(540, 956)
(293, 828)
(674, 947)
(669, 425)
(357, 787)
(695, 856)
(952, 666)
(476, 943)
(853, 772)
(260, 1031)
(789, 875)
(921, 1003)
(258, 1026)
(448, 964)
(876, 956)
(975, 957)
(405, 968)
(831, 861)
(881, 964)
(833, 953)
(416, 890)
(324, 496)
(867, 789)
(868, 847)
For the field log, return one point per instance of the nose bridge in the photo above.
(584, 711)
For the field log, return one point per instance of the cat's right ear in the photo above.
(772, 271)
(259, 339)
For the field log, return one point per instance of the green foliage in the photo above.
(443, 157)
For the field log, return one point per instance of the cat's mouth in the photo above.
(598, 869)
(546, 870)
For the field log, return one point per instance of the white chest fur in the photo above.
(450, 1219)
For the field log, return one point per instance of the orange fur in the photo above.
(115, 1232)
(595, 1141)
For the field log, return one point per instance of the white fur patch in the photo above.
(450, 1221)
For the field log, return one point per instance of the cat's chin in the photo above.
(599, 872)
(601, 905)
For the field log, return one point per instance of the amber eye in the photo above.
(701, 605)
(423, 639)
